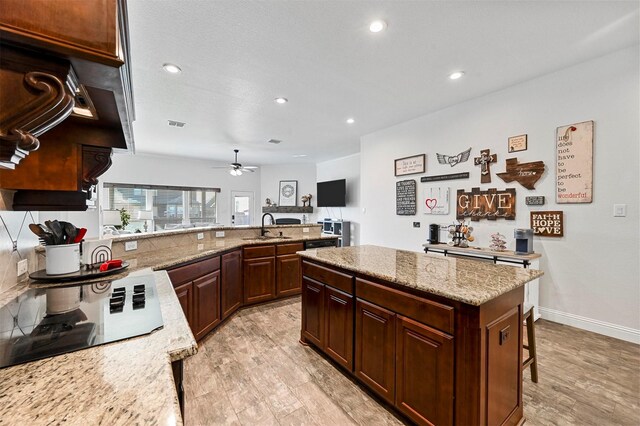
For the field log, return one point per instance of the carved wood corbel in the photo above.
(95, 161)
(28, 116)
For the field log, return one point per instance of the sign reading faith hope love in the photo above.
(435, 200)
(547, 224)
(574, 172)
(490, 204)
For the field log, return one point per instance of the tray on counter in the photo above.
(82, 274)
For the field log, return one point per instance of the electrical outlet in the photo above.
(305, 230)
(23, 267)
(130, 245)
(619, 210)
(219, 234)
(200, 235)
(200, 246)
(219, 243)
(416, 224)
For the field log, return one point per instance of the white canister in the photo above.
(61, 300)
(62, 259)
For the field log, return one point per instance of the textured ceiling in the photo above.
(237, 56)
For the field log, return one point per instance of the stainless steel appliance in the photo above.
(41, 323)
(524, 240)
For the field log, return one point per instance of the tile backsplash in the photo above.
(14, 226)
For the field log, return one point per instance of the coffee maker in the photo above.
(434, 234)
(524, 240)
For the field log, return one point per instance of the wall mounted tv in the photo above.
(332, 193)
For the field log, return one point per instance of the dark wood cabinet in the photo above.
(313, 311)
(375, 361)
(206, 298)
(424, 373)
(338, 314)
(185, 297)
(288, 275)
(231, 283)
(259, 279)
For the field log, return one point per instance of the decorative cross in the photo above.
(484, 160)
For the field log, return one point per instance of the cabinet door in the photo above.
(185, 297)
(231, 283)
(424, 373)
(375, 348)
(287, 275)
(339, 326)
(313, 311)
(259, 279)
(206, 297)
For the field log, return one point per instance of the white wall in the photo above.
(159, 170)
(305, 174)
(591, 274)
(344, 168)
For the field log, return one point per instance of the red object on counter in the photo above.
(110, 264)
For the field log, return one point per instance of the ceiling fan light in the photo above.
(232, 172)
(238, 172)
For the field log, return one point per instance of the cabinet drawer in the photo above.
(259, 251)
(425, 311)
(184, 274)
(335, 279)
(290, 248)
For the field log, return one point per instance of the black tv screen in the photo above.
(332, 193)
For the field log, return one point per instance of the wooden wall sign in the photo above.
(435, 200)
(547, 224)
(451, 176)
(406, 197)
(452, 160)
(517, 143)
(490, 204)
(410, 165)
(483, 161)
(574, 160)
(536, 200)
(526, 174)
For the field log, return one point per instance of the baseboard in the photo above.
(606, 328)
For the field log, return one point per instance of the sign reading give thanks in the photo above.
(490, 204)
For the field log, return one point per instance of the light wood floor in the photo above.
(253, 371)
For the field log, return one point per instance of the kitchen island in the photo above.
(440, 339)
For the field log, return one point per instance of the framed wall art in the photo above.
(435, 200)
(406, 197)
(574, 163)
(288, 193)
(410, 165)
(517, 143)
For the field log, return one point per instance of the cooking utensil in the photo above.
(36, 229)
(80, 235)
(70, 232)
(57, 230)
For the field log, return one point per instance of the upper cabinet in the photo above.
(65, 98)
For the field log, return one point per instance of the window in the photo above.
(172, 207)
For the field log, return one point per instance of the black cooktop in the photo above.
(41, 323)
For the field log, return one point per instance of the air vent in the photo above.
(274, 141)
(173, 123)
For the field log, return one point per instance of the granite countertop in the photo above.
(469, 281)
(121, 383)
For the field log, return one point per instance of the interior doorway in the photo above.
(241, 208)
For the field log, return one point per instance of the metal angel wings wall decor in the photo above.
(452, 160)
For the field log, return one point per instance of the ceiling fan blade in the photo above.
(247, 170)
(250, 167)
(220, 167)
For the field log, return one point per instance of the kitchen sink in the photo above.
(268, 237)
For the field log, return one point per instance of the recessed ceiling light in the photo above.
(350, 121)
(172, 68)
(299, 155)
(281, 100)
(377, 26)
(456, 75)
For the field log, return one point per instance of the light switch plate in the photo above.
(130, 245)
(200, 235)
(305, 230)
(200, 246)
(416, 224)
(23, 267)
(219, 234)
(619, 210)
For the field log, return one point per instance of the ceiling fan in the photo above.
(236, 169)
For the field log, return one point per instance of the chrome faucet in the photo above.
(262, 230)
